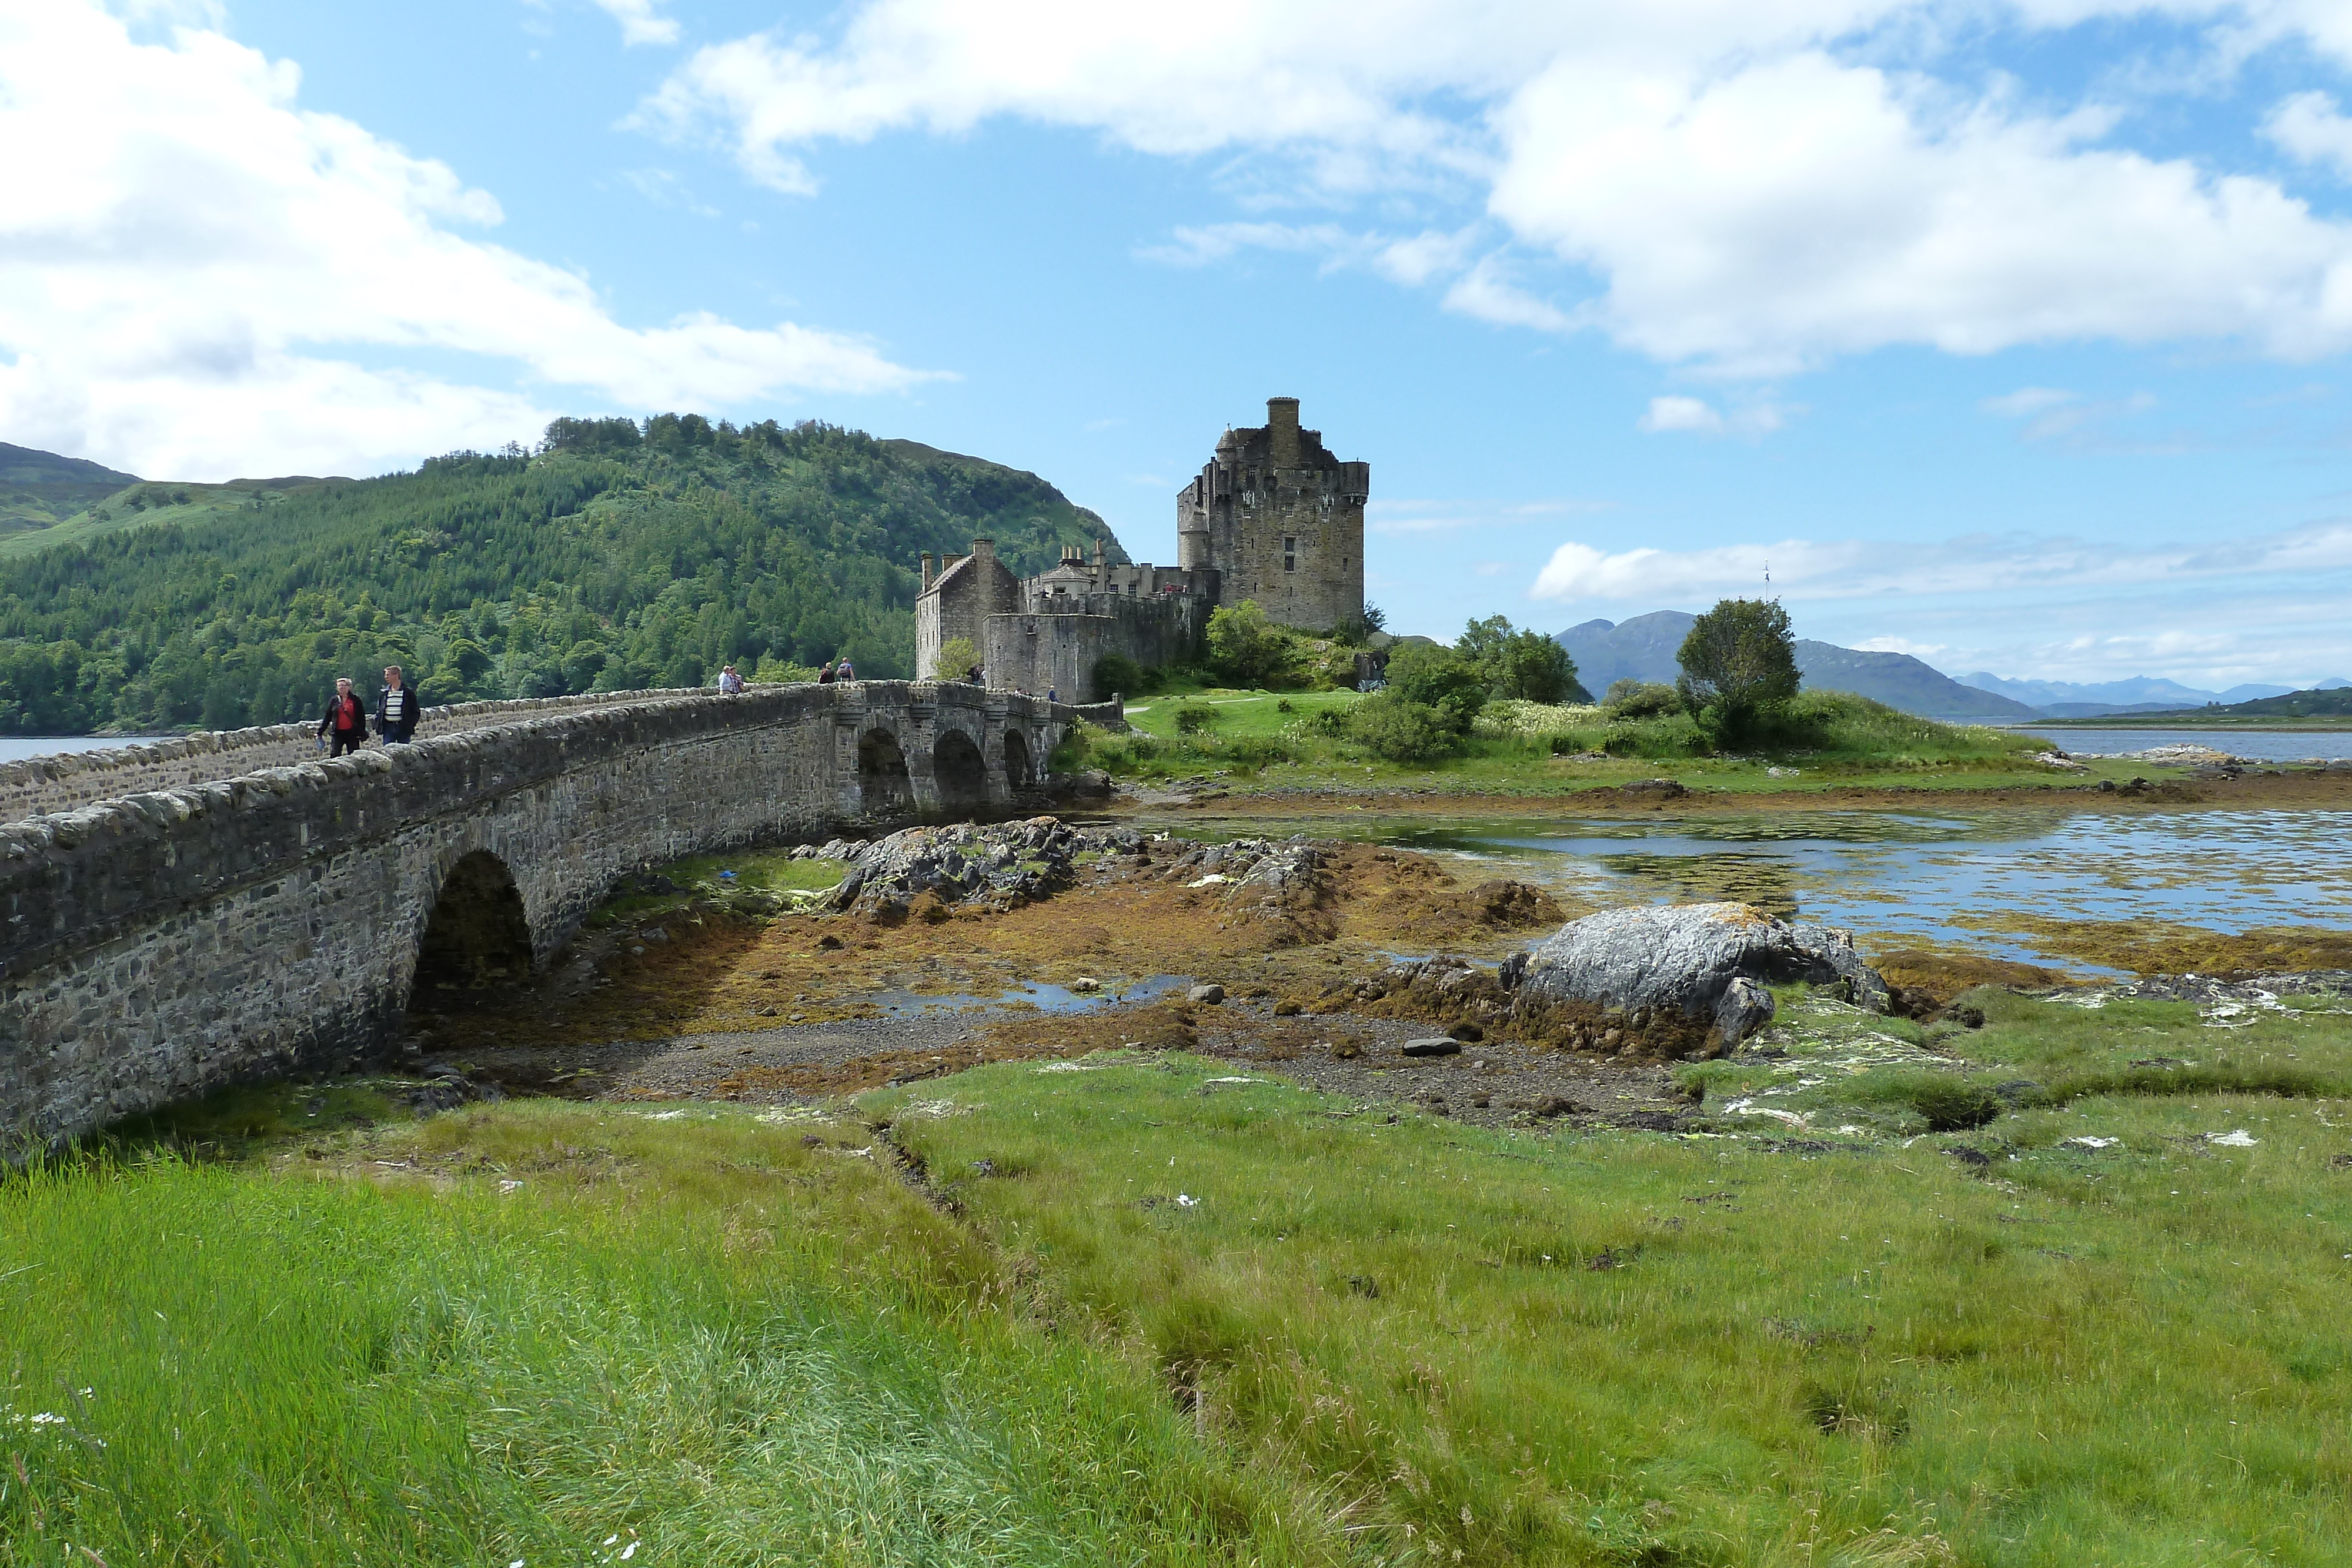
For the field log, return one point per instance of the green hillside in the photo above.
(40, 489)
(2322, 703)
(618, 556)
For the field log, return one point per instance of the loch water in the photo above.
(1982, 880)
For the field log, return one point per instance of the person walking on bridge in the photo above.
(345, 721)
(396, 709)
(842, 672)
(731, 684)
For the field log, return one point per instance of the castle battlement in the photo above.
(1275, 517)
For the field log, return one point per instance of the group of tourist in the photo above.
(344, 726)
(731, 682)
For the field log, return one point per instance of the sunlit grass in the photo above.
(1628, 1347)
(547, 1332)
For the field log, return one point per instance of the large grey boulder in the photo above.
(1708, 963)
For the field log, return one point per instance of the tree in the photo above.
(957, 657)
(1740, 661)
(1439, 679)
(1245, 647)
(1527, 665)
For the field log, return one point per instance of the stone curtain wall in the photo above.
(162, 944)
(1057, 650)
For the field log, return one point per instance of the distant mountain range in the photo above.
(1644, 649)
(2141, 694)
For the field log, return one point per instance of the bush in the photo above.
(1394, 727)
(1440, 679)
(1195, 717)
(1673, 735)
(1118, 673)
(1630, 698)
(1246, 648)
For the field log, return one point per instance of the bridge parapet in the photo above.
(61, 782)
(159, 944)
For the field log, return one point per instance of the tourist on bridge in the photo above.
(842, 672)
(345, 720)
(825, 676)
(731, 684)
(396, 709)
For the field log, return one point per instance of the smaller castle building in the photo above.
(1273, 518)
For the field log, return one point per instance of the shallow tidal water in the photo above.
(1974, 880)
(2261, 744)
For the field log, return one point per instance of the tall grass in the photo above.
(1627, 1348)
(708, 1341)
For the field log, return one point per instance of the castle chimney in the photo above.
(928, 575)
(1282, 430)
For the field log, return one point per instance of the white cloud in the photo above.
(1404, 518)
(1696, 415)
(1666, 414)
(2026, 401)
(2052, 414)
(1486, 293)
(1899, 645)
(2309, 125)
(189, 264)
(1746, 193)
(1859, 568)
(1200, 246)
(641, 21)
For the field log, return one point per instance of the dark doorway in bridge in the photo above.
(961, 772)
(477, 937)
(1017, 769)
(882, 784)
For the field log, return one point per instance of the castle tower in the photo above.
(1282, 520)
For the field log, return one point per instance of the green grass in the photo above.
(1265, 739)
(1170, 1310)
(540, 1327)
(1628, 1348)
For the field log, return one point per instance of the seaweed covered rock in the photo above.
(999, 864)
(1703, 965)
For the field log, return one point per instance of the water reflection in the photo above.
(1966, 879)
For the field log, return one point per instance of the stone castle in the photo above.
(1273, 517)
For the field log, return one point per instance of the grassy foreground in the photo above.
(1170, 1310)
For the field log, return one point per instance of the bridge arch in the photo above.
(960, 770)
(1020, 772)
(476, 934)
(884, 783)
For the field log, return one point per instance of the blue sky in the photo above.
(2012, 335)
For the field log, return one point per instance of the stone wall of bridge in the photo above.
(164, 942)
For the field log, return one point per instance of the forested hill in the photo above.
(616, 556)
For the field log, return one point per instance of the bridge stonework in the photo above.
(161, 944)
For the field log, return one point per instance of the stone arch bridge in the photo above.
(182, 915)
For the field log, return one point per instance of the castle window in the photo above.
(1290, 552)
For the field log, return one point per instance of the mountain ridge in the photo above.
(1645, 647)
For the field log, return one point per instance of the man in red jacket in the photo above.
(346, 719)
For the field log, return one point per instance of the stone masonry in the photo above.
(159, 944)
(1274, 518)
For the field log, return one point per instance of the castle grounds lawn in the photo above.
(1262, 741)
